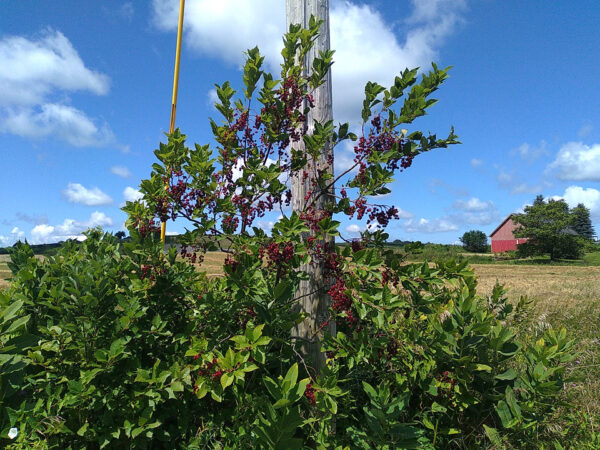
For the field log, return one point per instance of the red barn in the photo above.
(503, 238)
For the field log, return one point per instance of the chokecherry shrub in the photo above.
(134, 348)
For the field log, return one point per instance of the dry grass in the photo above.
(551, 286)
(213, 263)
(4, 271)
(563, 296)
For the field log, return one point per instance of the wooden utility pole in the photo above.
(312, 294)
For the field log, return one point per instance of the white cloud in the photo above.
(353, 228)
(576, 161)
(50, 119)
(77, 193)
(69, 229)
(344, 158)
(473, 204)
(476, 163)
(41, 233)
(530, 153)
(474, 211)
(429, 226)
(33, 73)
(266, 225)
(367, 48)
(99, 219)
(121, 171)
(402, 214)
(15, 235)
(590, 197)
(131, 194)
(515, 185)
(504, 179)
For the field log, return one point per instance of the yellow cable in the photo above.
(163, 226)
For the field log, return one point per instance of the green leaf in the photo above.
(226, 380)
(290, 378)
(10, 311)
(504, 413)
(436, 407)
(282, 402)
(14, 326)
(493, 436)
(508, 375)
(83, 429)
(483, 367)
(370, 391)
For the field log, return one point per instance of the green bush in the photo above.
(474, 241)
(115, 344)
(107, 345)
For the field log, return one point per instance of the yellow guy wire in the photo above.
(163, 227)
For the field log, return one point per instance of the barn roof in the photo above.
(501, 224)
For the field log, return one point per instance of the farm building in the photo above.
(503, 238)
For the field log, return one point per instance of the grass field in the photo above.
(4, 270)
(562, 295)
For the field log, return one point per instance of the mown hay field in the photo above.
(4, 271)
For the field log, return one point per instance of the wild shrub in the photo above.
(120, 345)
(110, 346)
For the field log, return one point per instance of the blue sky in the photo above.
(85, 93)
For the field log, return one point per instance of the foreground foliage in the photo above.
(114, 347)
(116, 344)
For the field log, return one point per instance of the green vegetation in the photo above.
(105, 344)
(551, 228)
(39, 249)
(418, 251)
(116, 344)
(474, 241)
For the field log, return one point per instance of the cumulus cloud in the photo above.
(266, 225)
(33, 73)
(576, 161)
(590, 197)
(69, 229)
(473, 211)
(472, 205)
(367, 48)
(131, 194)
(429, 226)
(15, 235)
(353, 228)
(65, 122)
(77, 193)
(120, 171)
